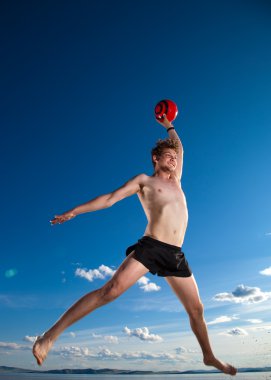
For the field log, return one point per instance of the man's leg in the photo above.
(127, 274)
(187, 291)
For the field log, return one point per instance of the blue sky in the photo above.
(80, 80)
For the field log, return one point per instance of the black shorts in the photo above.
(161, 258)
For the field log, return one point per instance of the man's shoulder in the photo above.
(142, 178)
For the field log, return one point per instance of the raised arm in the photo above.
(131, 187)
(172, 134)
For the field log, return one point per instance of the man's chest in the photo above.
(163, 193)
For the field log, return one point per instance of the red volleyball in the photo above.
(168, 107)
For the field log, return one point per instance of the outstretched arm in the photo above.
(172, 134)
(131, 187)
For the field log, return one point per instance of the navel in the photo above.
(160, 191)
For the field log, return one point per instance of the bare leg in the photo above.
(126, 275)
(187, 291)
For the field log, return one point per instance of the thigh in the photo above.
(128, 272)
(186, 290)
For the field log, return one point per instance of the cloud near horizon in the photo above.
(237, 331)
(14, 346)
(106, 354)
(244, 294)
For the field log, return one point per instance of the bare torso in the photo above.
(164, 203)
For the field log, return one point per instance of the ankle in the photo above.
(49, 336)
(208, 359)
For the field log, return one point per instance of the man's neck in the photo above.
(163, 175)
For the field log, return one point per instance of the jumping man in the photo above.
(158, 251)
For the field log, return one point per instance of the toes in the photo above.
(35, 352)
(232, 370)
(39, 361)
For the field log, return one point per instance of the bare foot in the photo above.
(41, 348)
(224, 367)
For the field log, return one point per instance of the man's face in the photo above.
(167, 161)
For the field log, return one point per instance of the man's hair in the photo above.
(161, 145)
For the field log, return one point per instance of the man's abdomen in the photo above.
(169, 227)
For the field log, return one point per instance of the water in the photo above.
(34, 376)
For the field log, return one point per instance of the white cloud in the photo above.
(13, 346)
(139, 355)
(161, 356)
(180, 350)
(183, 350)
(103, 271)
(143, 334)
(69, 352)
(266, 271)
(107, 338)
(111, 339)
(222, 319)
(236, 332)
(96, 336)
(148, 286)
(73, 351)
(105, 353)
(92, 274)
(254, 321)
(106, 270)
(72, 334)
(89, 275)
(244, 294)
(151, 287)
(10, 346)
(28, 338)
(143, 280)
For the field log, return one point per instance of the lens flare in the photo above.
(11, 273)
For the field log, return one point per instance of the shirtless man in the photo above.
(158, 251)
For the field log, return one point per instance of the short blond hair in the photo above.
(161, 145)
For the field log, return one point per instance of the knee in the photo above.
(110, 292)
(196, 311)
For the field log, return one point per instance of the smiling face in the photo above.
(167, 161)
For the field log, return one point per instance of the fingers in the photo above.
(59, 219)
(55, 220)
(164, 121)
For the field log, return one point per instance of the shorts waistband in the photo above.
(160, 243)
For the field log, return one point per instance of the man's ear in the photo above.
(155, 158)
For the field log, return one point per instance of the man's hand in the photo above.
(59, 219)
(164, 122)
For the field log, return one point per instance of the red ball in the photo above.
(168, 107)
